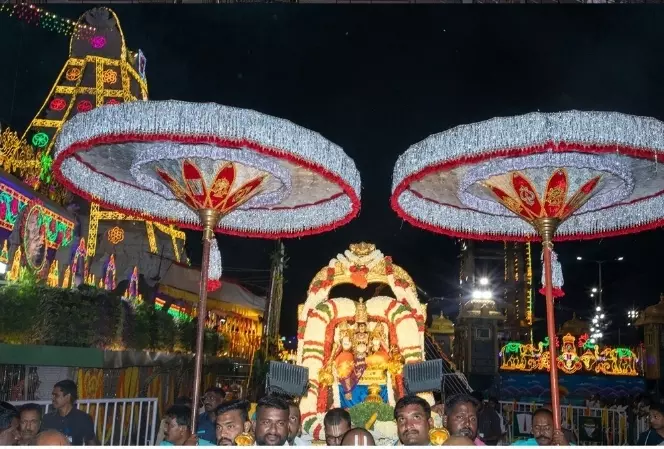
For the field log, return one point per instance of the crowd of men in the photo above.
(226, 421)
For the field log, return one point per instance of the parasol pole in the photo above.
(209, 219)
(547, 228)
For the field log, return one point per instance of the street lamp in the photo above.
(599, 263)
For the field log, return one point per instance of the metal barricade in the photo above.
(118, 422)
(614, 422)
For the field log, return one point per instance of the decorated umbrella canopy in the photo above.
(563, 176)
(209, 167)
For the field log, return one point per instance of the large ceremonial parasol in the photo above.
(563, 176)
(209, 167)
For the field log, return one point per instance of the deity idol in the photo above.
(361, 360)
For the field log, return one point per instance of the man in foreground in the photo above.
(413, 417)
(50, 438)
(75, 424)
(336, 423)
(460, 418)
(655, 435)
(232, 420)
(358, 437)
(543, 431)
(272, 418)
(30, 416)
(178, 428)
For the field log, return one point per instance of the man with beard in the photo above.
(8, 426)
(30, 416)
(272, 418)
(75, 424)
(336, 423)
(206, 427)
(460, 418)
(178, 428)
(413, 417)
(232, 420)
(543, 432)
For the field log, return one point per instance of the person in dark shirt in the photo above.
(488, 421)
(75, 424)
(207, 421)
(9, 435)
(655, 435)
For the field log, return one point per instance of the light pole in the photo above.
(599, 289)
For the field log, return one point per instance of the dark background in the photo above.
(376, 79)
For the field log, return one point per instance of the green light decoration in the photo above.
(174, 313)
(40, 140)
(45, 161)
(625, 353)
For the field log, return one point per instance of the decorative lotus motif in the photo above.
(220, 195)
(520, 195)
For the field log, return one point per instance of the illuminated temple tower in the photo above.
(100, 71)
(518, 291)
(508, 266)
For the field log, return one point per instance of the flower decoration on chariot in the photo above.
(218, 195)
(361, 315)
(517, 192)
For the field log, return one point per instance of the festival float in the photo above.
(355, 351)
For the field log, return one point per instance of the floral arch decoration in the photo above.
(321, 320)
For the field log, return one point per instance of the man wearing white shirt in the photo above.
(272, 421)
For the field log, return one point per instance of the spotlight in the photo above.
(594, 290)
(484, 281)
(598, 308)
(579, 258)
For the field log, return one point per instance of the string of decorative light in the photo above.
(34, 15)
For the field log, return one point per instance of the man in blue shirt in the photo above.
(207, 421)
(543, 432)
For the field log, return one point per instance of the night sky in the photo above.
(374, 80)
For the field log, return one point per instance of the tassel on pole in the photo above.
(557, 280)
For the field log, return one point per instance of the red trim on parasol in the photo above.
(210, 140)
(561, 147)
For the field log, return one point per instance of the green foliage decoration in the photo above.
(361, 413)
(33, 313)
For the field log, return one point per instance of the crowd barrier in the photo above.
(118, 422)
(614, 425)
